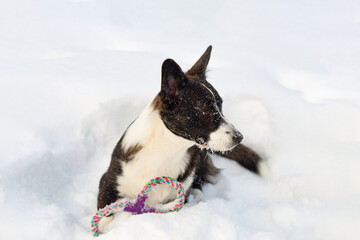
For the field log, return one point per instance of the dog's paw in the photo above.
(195, 195)
(104, 222)
(264, 170)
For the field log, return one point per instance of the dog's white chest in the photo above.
(162, 154)
(151, 162)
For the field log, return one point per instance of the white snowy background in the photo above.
(74, 74)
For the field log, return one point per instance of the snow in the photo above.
(74, 74)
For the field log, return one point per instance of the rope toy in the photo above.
(139, 207)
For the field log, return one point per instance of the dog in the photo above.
(172, 137)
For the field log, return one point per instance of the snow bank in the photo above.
(74, 74)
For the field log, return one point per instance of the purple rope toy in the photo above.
(139, 207)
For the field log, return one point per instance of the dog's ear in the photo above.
(173, 80)
(199, 68)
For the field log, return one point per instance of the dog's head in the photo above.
(192, 108)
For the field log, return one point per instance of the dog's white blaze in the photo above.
(222, 138)
(217, 108)
(208, 90)
(162, 154)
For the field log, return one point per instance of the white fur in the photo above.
(104, 222)
(222, 138)
(162, 154)
(141, 129)
(264, 170)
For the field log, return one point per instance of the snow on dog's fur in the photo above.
(171, 137)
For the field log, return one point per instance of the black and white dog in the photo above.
(172, 137)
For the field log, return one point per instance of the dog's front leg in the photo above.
(104, 222)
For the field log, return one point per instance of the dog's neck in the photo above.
(148, 130)
(159, 152)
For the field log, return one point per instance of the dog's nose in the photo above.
(237, 137)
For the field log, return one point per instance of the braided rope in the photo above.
(140, 207)
(106, 211)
